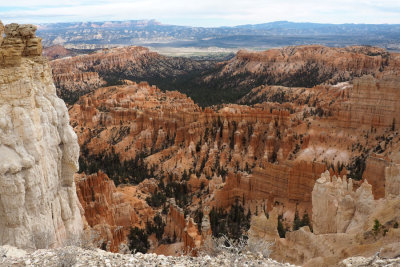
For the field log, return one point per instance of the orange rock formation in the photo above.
(109, 210)
(267, 154)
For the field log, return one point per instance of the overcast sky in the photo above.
(202, 12)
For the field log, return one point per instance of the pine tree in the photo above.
(281, 229)
(137, 240)
(305, 221)
(296, 221)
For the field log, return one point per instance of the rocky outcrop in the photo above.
(133, 118)
(20, 41)
(181, 137)
(345, 222)
(175, 222)
(111, 211)
(38, 149)
(373, 261)
(298, 66)
(335, 198)
(264, 228)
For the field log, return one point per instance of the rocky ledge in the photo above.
(375, 261)
(76, 256)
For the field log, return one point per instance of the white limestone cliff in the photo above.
(337, 208)
(38, 148)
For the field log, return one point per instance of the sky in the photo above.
(206, 13)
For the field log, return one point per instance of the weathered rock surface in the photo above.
(111, 211)
(38, 149)
(264, 228)
(287, 183)
(20, 41)
(345, 222)
(374, 173)
(374, 261)
(185, 230)
(335, 198)
(372, 102)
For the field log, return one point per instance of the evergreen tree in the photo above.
(305, 221)
(296, 221)
(281, 229)
(137, 240)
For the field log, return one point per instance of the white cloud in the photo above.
(204, 12)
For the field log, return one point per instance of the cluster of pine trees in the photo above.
(132, 171)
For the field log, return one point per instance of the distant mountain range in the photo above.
(91, 35)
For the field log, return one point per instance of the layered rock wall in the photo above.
(38, 148)
(310, 65)
(286, 182)
(374, 173)
(372, 102)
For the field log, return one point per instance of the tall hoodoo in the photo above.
(38, 148)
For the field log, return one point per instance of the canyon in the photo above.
(266, 156)
(210, 82)
(303, 153)
(76, 76)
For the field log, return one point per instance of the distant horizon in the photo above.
(222, 26)
(205, 13)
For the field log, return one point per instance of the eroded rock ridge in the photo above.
(38, 148)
